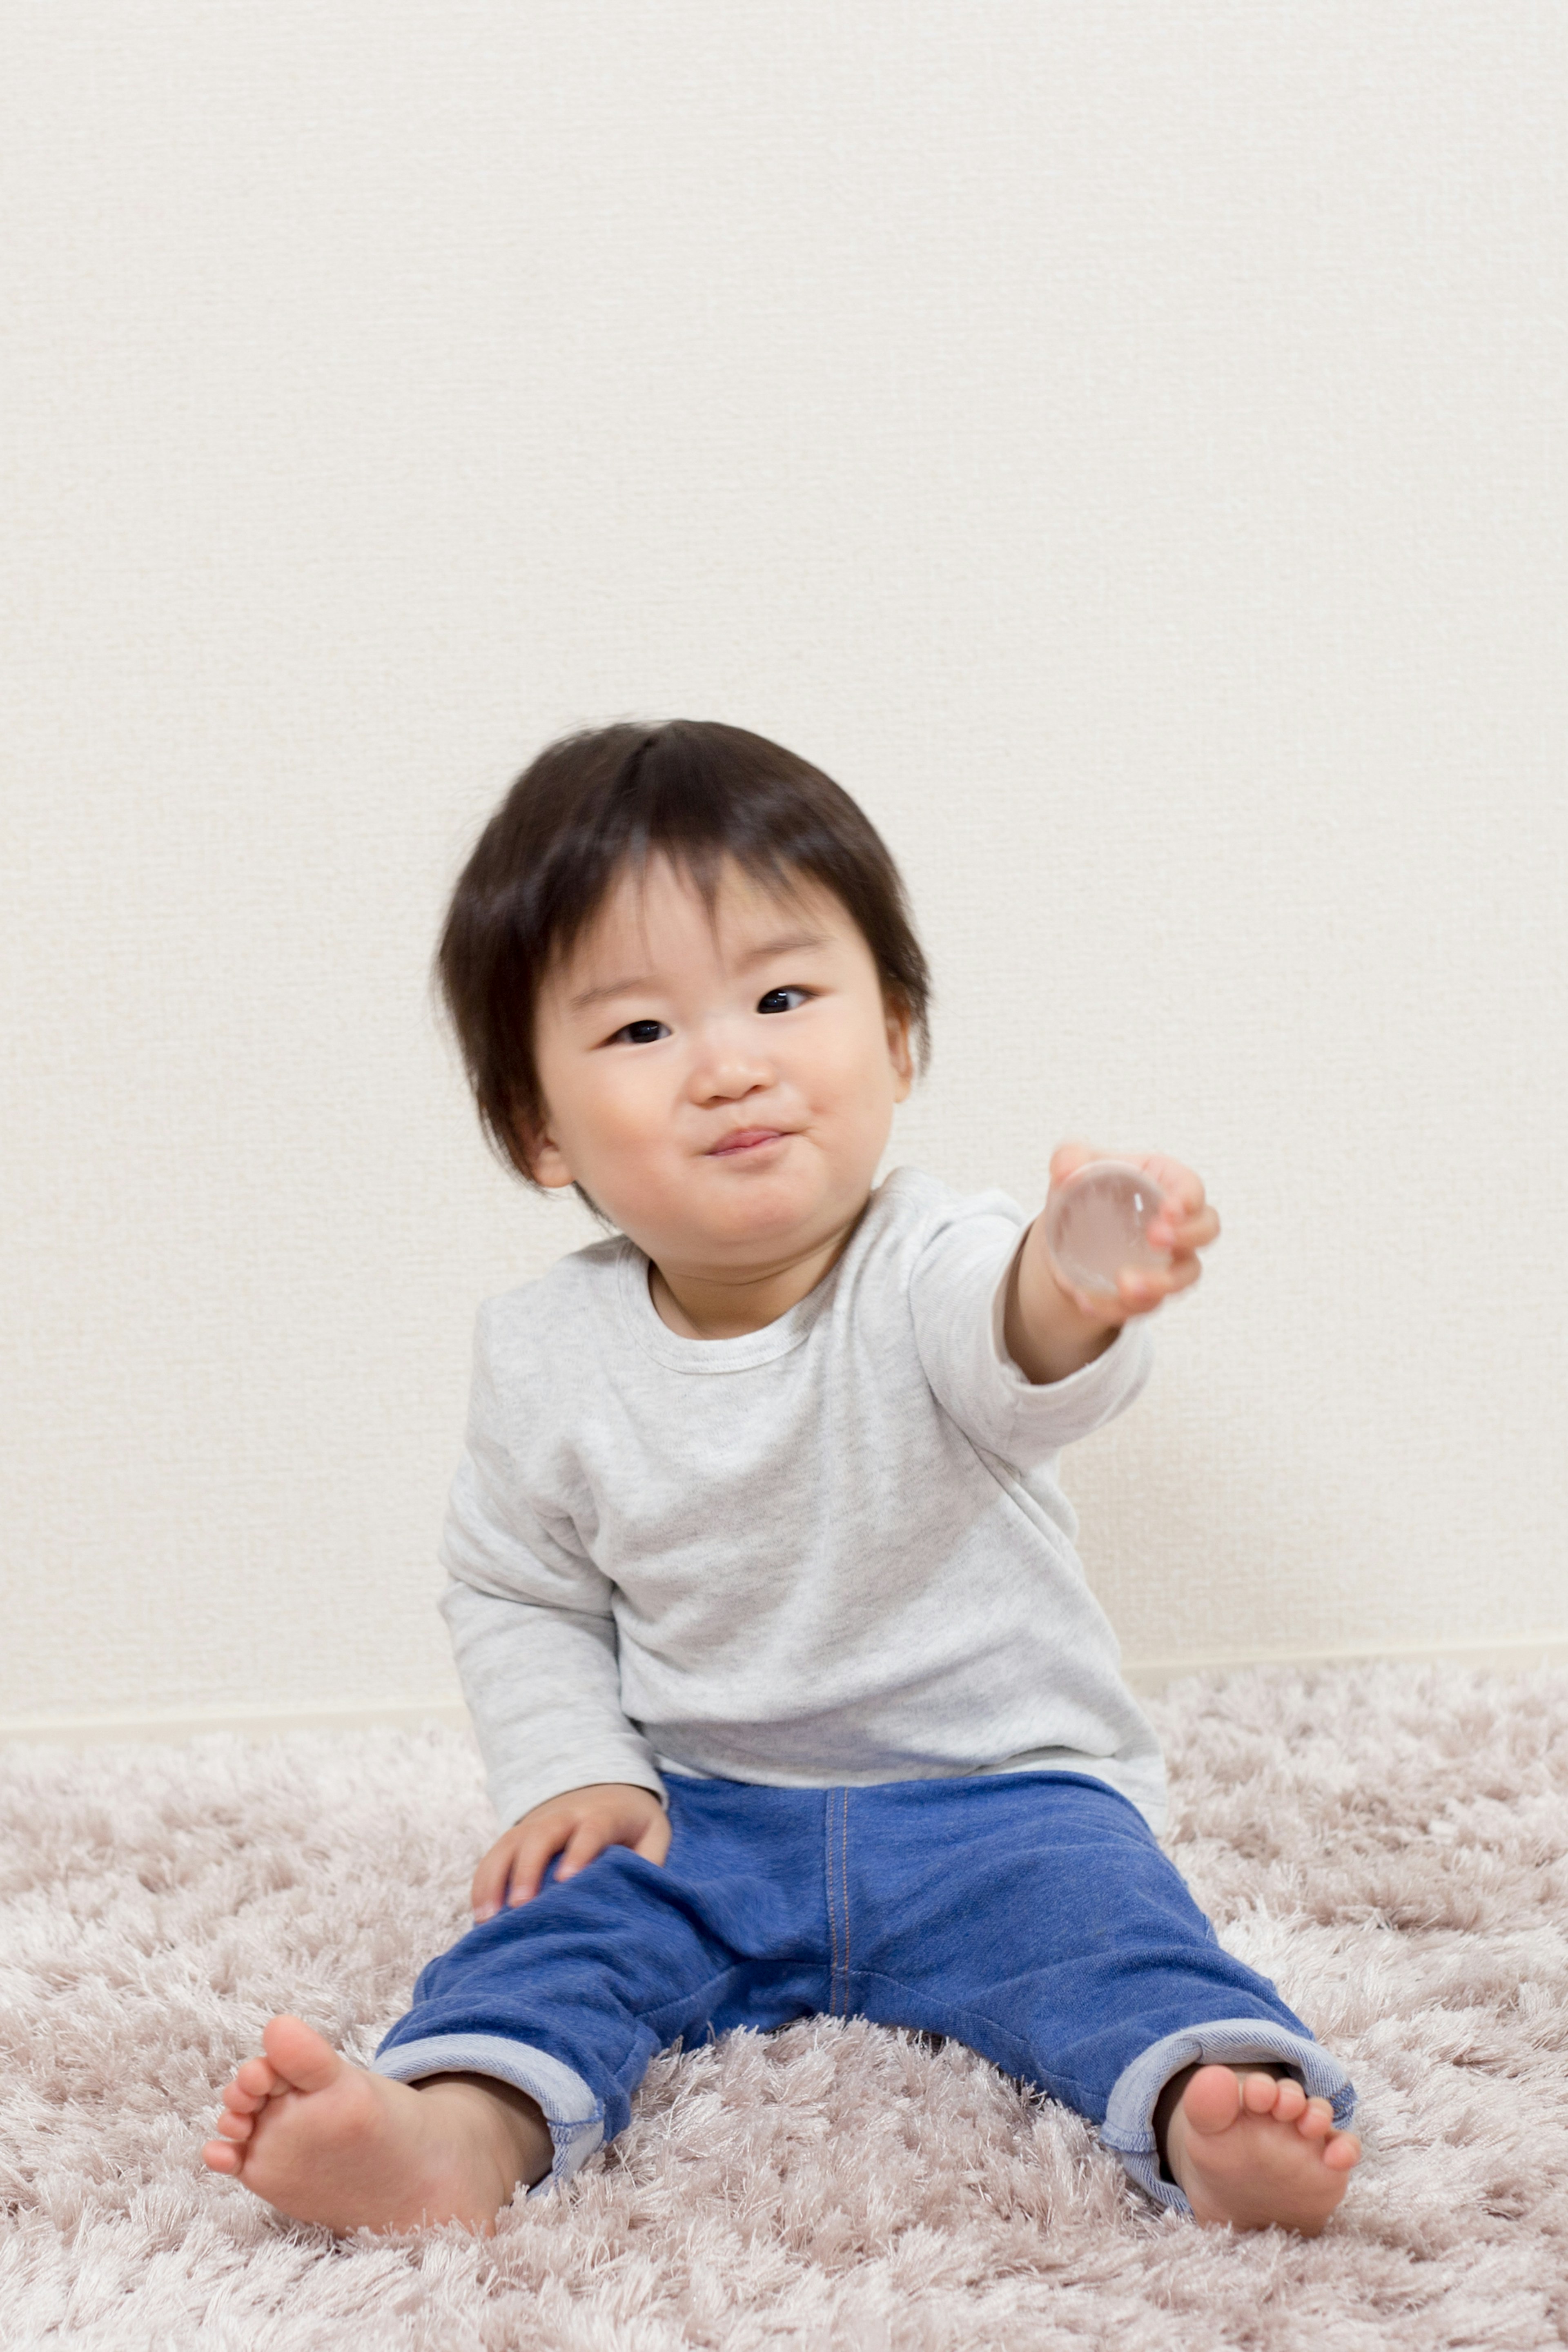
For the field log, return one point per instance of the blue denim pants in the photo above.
(1029, 1914)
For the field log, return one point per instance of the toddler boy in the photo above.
(763, 1589)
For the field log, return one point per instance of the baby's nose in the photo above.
(728, 1069)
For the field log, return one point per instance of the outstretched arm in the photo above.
(1052, 1329)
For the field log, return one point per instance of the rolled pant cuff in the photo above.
(1129, 2125)
(576, 2119)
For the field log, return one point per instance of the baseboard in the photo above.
(1147, 1676)
(177, 1723)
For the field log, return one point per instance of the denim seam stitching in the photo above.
(832, 1906)
(844, 1881)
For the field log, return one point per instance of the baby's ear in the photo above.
(544, 1161)
(899, 1048)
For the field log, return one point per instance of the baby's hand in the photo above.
(1184, 1226)
(581, 1821)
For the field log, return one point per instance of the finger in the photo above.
(1179, 1183)
(1173, 1229)
(1069, 1158)
(1159, 1281)
(1099, 1306)
(1179, 1187)
(1139, 1289)
(488, 1892)
(530, 1858)
(510, 1873)
(1181, 1191)
(588, 1839)
(1180, 1269)
(1195, 1231)
(654, 1843)
(1096, 1306)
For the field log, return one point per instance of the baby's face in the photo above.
(724, 1093)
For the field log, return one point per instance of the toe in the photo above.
(304, 2061)
(233, 2126)
(1343, 2151)
(1258, 2094)
(1316, 2120)
(1211, 2100)
(219, 2156)
(1291, 2102)
(256, 2079)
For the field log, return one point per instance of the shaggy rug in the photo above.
(1389, 1843)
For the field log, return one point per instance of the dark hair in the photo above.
(607, 799)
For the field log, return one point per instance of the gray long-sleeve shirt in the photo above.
(833, 1550)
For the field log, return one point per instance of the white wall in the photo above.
(1124, 444)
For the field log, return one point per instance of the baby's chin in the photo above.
(729, 1212)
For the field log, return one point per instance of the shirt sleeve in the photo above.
(958, 1297)
(533, 1627)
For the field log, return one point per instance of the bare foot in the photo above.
(1253, 2150)
(328, 2142)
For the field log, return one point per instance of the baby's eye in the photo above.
(640, 1033)
(770, 1002)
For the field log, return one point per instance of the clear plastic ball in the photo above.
(1097, 1225)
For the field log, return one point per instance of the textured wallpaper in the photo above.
(1123, 446)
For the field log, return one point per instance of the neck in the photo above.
(702, 1305)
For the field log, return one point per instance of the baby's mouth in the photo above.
(747, 1138)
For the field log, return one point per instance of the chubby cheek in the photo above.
(850, 1089)
(624, 1138)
